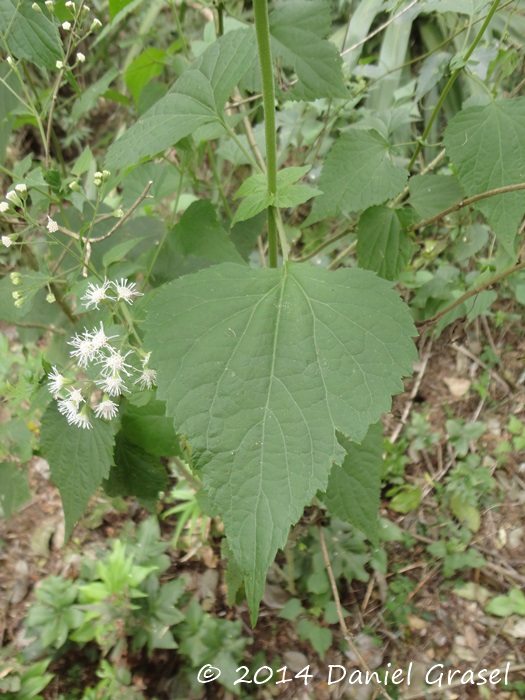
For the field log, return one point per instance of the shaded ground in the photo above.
(438, 626)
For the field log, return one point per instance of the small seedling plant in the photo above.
(263, 374)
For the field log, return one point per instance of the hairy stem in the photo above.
(262, 28)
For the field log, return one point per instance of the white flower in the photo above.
(6, 240)
(51, 298)
(70, 4)
(107, 409)
(147, 379)
(113, 386)
(99, 338)
(68, 408)
(56, 383)
(4, 206)
(59, 65)
(95, 24)
(145, 360)
(16, 278)
(96, 293)
(115, 363)
(21, 187)
(75, 396)
(12, 196)
(80, 57)
(66, 26)
(52, 225)
(84, 348)
(49, 4)
(126, 290)
(81, 420)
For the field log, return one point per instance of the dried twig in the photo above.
(413, 393)
(342, 624)
(505, 384)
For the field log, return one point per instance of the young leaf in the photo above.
(487, 146)
(353, 488)
(298, 28)
(254, 190)
(358, 173)
(256, 197)
(78, 458)
(259, 369)
(29, 34)
(383, 245)
(197, 98)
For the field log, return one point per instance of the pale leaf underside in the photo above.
(259, 369)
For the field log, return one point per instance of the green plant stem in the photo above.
(262, 28)
(220, 18)
(335, 262)
(218, 181)
(251, 159)
(451, 82)
(185, 473)
(319, 249)
(165, 235)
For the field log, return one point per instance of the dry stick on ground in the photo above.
(413, 393)
(342, 624)
(504, 383)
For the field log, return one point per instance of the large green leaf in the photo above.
(196, 241)
(487, 146)
(29, 34)
(197, 98)
(78, 458)
(358, 172)
(298, 28)
(353, 488)
(259, 369)
(383, 245)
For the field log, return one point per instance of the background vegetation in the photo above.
(137, 147)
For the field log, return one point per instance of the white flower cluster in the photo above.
(124, 290)
(14, 197)
(119, 368)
